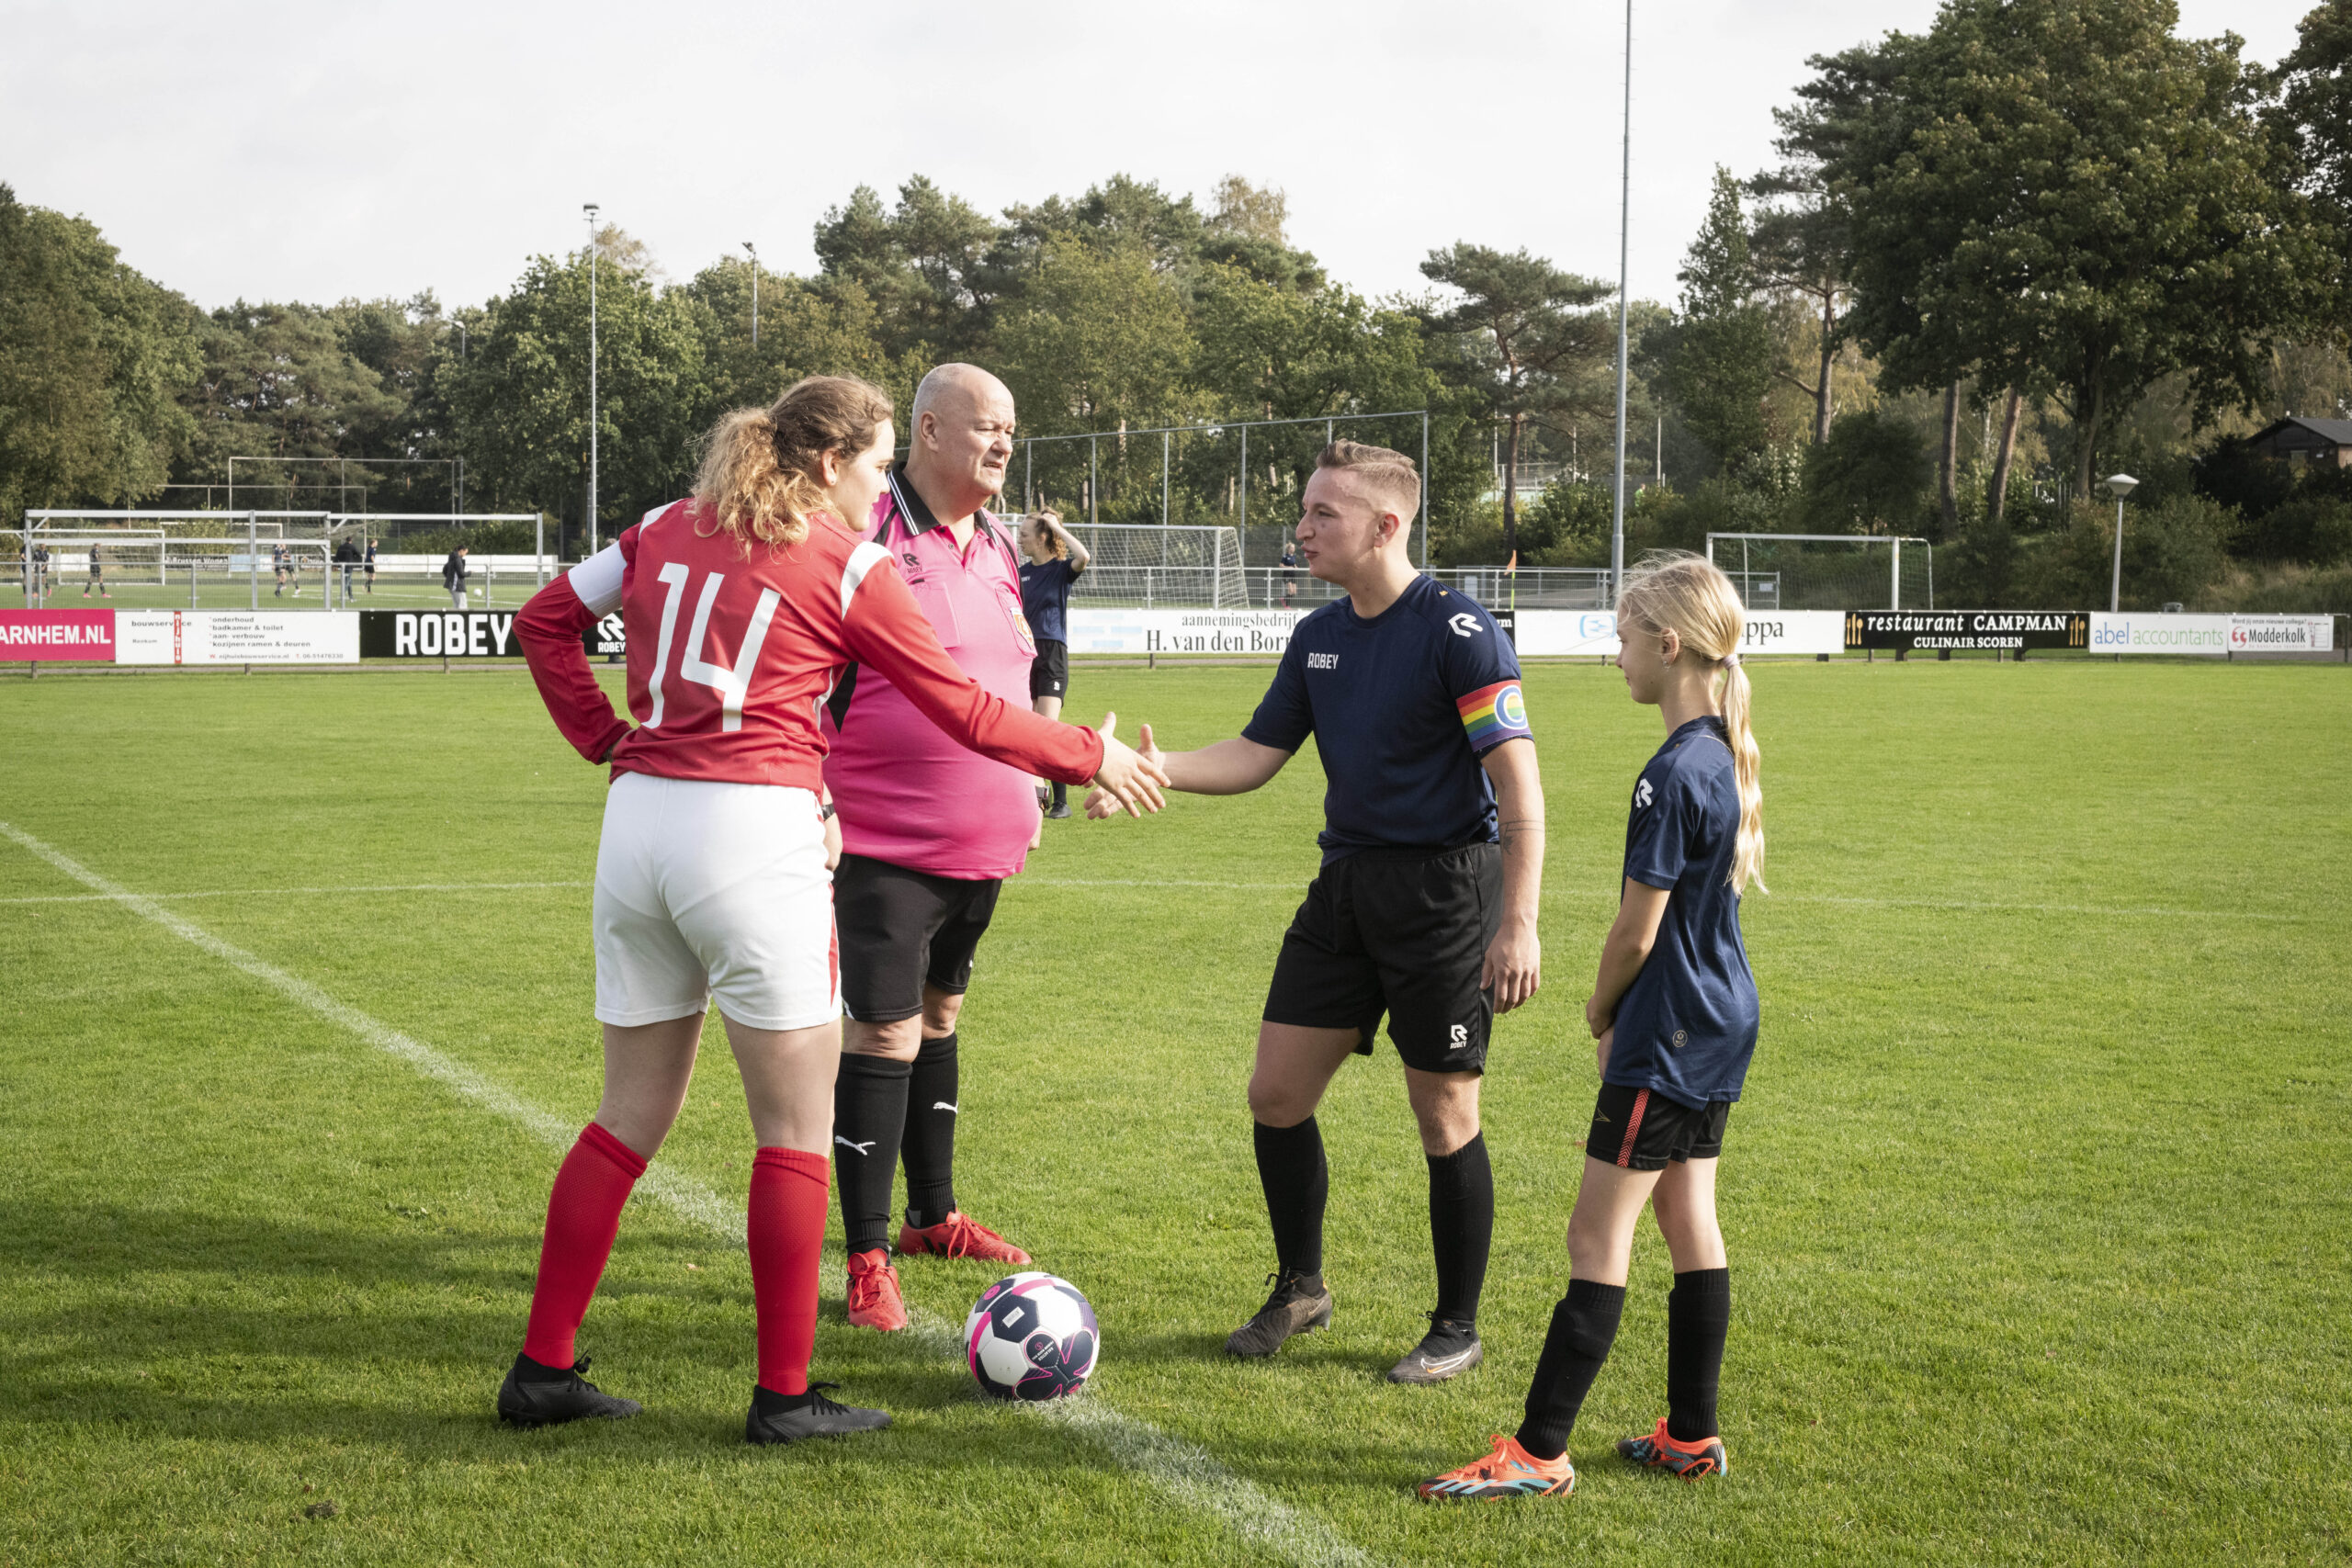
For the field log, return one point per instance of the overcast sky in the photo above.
(317, 151)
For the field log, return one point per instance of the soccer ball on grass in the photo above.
(1030, 1337)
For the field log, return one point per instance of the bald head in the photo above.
(962, 439)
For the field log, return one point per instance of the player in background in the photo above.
(453, 577)
(368, 560)
(97, 576)
(1674, 1010)
(742, 607)
(277, 565)
(929, 833)
(1054, 560)
(1425, 907)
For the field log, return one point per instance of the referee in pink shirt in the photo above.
(929, 832)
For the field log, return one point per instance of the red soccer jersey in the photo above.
(730, 657)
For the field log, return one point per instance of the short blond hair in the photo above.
(1388, 476)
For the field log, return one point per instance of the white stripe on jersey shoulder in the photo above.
(863, 560)
(597, 580)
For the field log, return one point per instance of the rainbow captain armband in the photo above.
(1493, 714)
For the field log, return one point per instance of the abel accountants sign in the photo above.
(1967, 628)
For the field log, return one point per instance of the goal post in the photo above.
(1144, 565)
(1827, 571)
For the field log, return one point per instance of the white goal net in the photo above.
(1826, 571)
(1149, 565)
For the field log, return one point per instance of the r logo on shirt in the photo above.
(1464, 624)
(1461, 1038)
(1642, 795)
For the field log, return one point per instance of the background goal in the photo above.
(1147, 565)
(1826, 571)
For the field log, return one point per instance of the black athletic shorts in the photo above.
(1049, 672)
(1640, 1129)
(1400, 931)
(900, 929)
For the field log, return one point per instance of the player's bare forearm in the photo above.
(1229, 767)
(1514, 963)
(1627, 949)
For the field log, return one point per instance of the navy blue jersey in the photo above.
(1686, 1027)
(1044, 598)
(1401, 705)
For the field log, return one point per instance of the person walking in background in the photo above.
(1290, 572)
(277, 565)
(370, 560)
(40, 570)
(97, 576)
(1054, 560)
(346, 555)
(453, 577)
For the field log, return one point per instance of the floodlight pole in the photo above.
(2122, 485)
(1624, 263)
(589, 208)
(755, 294)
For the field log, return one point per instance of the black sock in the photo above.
(869, 1118)
(1583, 1328)
(1061, 794)
(930, 1149)
(1462, 1229)
(528, 1371)
(1698, 1318)
(1297, 1184)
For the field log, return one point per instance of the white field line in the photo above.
(329, 892)
(1188, 1474)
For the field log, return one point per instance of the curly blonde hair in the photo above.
(761, 475)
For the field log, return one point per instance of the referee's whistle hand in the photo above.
(1513, 968)
(1134, 779)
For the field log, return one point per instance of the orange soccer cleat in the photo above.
(959, 1236)
(873, 1298)
(1510, 1471)
(1692, 1462)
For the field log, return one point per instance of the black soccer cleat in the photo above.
(787, 1418)
(567, 1396)
(1446, 1351)
(1299, 1303)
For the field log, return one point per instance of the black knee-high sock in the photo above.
(1462, 1227)
(1297, 1184)
(869, 1118)
(1061, 792)
(1583, 1328)
(929, 1148)
(1698, 1318)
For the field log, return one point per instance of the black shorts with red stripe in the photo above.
(1640, 1129)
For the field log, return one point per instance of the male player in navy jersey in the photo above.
(1424, 906)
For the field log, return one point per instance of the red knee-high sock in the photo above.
(584, 1216)
(787, 1233)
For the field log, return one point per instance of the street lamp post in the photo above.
(1625, 254)
(2122, 485)
(755, 294)
(589, 208)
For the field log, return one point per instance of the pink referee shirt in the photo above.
(907, 794)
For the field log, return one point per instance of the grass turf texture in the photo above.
(2035, 1204)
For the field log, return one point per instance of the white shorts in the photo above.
(709, 889)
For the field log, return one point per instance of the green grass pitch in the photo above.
(2036, 1204)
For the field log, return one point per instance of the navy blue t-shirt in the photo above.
(1686, 1027)
(1401, 706)
(1044, 598)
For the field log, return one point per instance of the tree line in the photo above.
(2037, 241)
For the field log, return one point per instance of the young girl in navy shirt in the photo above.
(1674, 1010)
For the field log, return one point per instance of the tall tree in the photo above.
(925, 264)
(91, 357)
(1719, 356)
(2061, 194)
(1532, 343)
(2311, 113)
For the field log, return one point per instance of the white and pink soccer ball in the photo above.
(1030, 1337)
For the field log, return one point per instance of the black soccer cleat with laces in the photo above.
(1447, 1350)
(1299, 1303)
(549, 1396)
(787, 1418)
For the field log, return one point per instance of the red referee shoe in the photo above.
(873, 1298)
(958, 1236)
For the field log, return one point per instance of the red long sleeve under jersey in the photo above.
(730, 657)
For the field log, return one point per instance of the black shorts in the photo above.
(1400, 931)
(1049, 672)
(1640, 1129)
(900, 929)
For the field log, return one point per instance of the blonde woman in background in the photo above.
(1674, 1009)
(1053, 561)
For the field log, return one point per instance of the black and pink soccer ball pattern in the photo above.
(1033, 1337)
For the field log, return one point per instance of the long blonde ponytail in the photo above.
(1686, 595)
(760, 473)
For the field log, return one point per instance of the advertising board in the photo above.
(438, 634)
(48, 635)
(1181, 631)
(236, 636)
(1965, 629)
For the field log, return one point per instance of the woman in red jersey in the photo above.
(741, 605)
